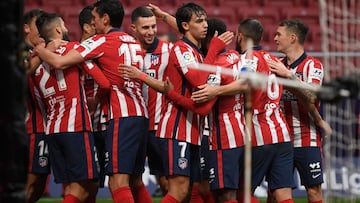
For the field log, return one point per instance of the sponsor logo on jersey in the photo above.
(188, 57)
(214, 80)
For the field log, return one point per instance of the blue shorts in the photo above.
(226, 168)
(39, 160)
(102, 156)
(126, 143)
(275, 161)
(308, 162)
(204, 158)
(156, 164)
(72, 156)
(182, 158)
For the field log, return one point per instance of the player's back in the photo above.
(64, 96)
(110, 50)
(269, 125)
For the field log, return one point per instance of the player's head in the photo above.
(290, 31)
(143, 23)
(86, 23)
(191, 18)
(107, 14)
(31, 33)
(214, 24)
(248, 29)
(51, 26)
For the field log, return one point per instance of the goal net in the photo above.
(340, 26)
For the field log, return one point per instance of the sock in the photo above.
(141, 195)
(253, 199)
(90, 199)
(287, 201)
(208, 197)
(195, 195)
(320, 201)
(169, 199)
(122, 195)
(71, 199)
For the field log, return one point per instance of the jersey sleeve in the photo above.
(91, 48)
(187, 103)
(315, 72)
(216, 45)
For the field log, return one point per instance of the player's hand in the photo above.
(325, 128)
(279, 68)
(226, 37)
(157, 11)
(168, 85)
(127, 71)
(205, 93)
(55, 44)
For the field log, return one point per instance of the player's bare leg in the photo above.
(35, 186)
(283, 194)
(314, 193)
(179, 187)
(163, 183)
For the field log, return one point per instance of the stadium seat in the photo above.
(31, 3)
(227, 14)
(239, 4)
(308, 15)
(266, 15)
(279, 3)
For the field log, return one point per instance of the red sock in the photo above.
(195, 195)
(122, 195)
(91, 199)
(71, 199)
(141, 195)
(253, 199)
(287, 201)
(208, 197)
(169, 199)
(320, 201)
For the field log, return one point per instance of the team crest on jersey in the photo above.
(188, 57)
(182, 163)
(43, 161)
(214, 80)
(155, 58)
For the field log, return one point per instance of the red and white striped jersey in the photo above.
(36, 115)
(155, 62)
(176, 122)
(100, 116)
(64, 96)
(269, 125)
(110, 50)
(301, 124)
(227, 127)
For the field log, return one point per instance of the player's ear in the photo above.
(185, 25)
(26, 28)
(133, 27)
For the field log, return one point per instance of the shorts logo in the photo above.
(43, 161)
(315, 176)
(182, 163)
(314, 165)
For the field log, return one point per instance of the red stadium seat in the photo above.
(227, 14)
(309, 15)
(239, 4)
(266, 15)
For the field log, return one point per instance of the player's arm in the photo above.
(208, 92)
(306, 97)
(59, 62)
(95, 72)
(164, 16)
(187, 103)
(217, 44)
(133, 72)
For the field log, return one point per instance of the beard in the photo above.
(238, 47)
(66, 36)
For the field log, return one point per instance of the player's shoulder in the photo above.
(314, 61)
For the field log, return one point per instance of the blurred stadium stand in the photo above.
(269, 12)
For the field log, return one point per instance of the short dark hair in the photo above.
(45, 22)
(185, 12)
(214, 24)
(85, 16)
(296, 26)
(113, 8)
(28, 16)
(251, 28)
(141, 11)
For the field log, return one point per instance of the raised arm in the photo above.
(164, 16)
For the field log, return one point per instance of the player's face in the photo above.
(197, 27)
(98, 22)
(145, 29)
(283, 39)
(32, 34)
